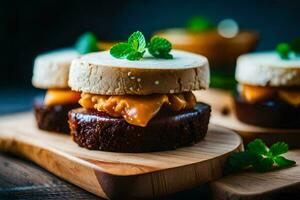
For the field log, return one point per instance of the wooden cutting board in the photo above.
(223, 114)
(119, 175)
(253, 185)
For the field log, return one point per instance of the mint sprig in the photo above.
(288, 50)
(283, 49)
(86, 43)
(135, 47)
(261, 158)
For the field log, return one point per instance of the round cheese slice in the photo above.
(51, 70)
(268, 69)
(100, 73)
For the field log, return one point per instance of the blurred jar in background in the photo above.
(106, 45)
(221, 44)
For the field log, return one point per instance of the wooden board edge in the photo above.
(156, 184)
(222, 191)
(92, 179)
(56, 162)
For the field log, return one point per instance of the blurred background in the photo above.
(28, 28)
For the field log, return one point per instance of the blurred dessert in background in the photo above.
(51, 72)
(269, 89)
(221, 44)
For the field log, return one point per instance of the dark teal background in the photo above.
(30, 27)
(33, 26)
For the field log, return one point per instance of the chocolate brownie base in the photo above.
(167, 130)
(273, 113)
(52, 118)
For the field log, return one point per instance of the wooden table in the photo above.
(21, 179)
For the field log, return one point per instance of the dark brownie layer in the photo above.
(52, 118)
(167, 130)
(273, 113)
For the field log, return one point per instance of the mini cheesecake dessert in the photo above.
(268, 90)
(138, 105)
(51, 72)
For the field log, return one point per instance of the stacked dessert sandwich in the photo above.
(269, 90)
(135, 101)
(51, 72)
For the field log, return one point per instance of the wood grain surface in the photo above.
(278, 184)
(223, 114)
(115, 175)
(24, 180)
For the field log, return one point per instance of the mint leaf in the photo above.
(263, 165)
(135, 55)
(135, 47)
(260, 157)
(283, 49)
(282, 162)
(121, 50)
(199, 24)
(258, 146)
(137, 41)
(279, 148)
(160, 47)
(86, 43)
